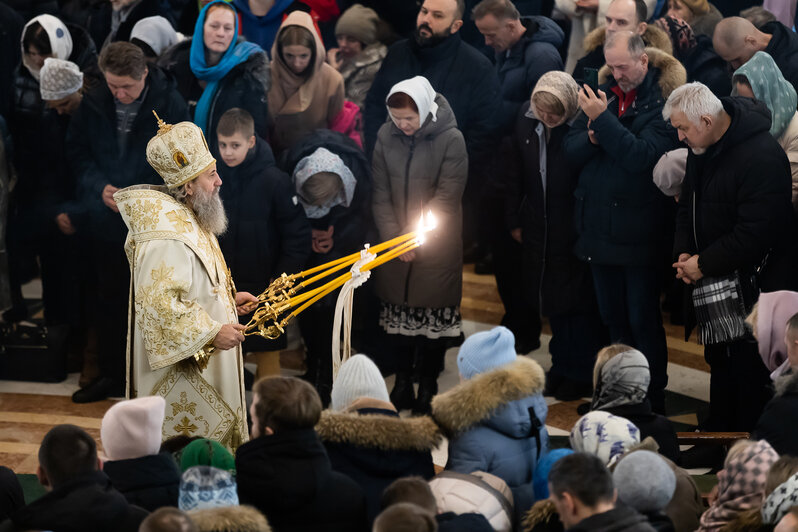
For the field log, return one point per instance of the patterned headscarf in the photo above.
(323, 160)
(623, 380)
(741, 485)
(604, 435)
(562, 86)
(680, 33)
(778, 503)
(770, 88)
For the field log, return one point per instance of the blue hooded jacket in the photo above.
(261, 30)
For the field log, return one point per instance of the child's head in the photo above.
(283, 403)
(791, 339)
(235, 136)
(297, 48)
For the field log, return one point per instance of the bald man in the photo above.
(736, 40)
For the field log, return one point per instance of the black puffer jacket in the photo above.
(288, 477)
(11, 25)
(245, 86)
(150, 482)
(783, 48)
(553, 274)
(93, 151)
(735, 204)
(267, 233)
(86, 504)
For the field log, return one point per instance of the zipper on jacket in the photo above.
(407, 205)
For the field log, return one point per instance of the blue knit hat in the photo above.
(540, 478)
(485, 351)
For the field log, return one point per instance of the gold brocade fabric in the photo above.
(181, 294)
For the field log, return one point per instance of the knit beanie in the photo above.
(644, 481)
(208, 453)
(358, 377)
(206, 487)
(359, 22)
(132, 429)
(59, 78)
(698, 7)
(540, 477)
(485, 351)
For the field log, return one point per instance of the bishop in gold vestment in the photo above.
(184, 340)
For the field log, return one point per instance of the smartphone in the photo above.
(590, 77)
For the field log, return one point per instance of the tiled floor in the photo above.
(28, 410)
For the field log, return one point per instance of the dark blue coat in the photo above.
(93, 151)
(620, 213)
(149, 482)
(520, 68)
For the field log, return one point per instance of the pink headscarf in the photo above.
(774, 310)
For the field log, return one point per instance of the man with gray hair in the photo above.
(620, 213)
(734, 236)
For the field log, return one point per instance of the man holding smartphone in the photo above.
(620, 213)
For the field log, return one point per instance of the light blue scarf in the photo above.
(770, 88)
(236, 54)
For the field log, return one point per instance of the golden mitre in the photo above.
(179, 152)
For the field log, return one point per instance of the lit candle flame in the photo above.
(426, 223)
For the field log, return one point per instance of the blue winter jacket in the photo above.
(490, 426)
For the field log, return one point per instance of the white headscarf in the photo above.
(59, 79)
(60, 40)
(156, 32)
(422, 93)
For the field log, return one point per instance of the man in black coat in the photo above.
(736, 40)
(80, 496)
(620, 213)
(284, 471)
(106, 140)
(734, 219)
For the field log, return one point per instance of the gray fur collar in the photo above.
(475, 400)
(786, 384)
(375, 431)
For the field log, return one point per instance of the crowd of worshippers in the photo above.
(359, 466)
(604, 160)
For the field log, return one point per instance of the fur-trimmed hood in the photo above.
(542, 516)
(786, 384)
(477, 400)
(239, 518)
(377, 431)
(672, 74)
(653, 37)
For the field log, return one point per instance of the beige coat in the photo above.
(299, 105)
(582, 23)
(789, 141)
(414, 174)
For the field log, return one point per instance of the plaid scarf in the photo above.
(719, 309)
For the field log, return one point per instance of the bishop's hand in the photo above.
(229, 336)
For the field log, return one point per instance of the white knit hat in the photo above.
(59, 78)
(358, 377)
(132, 429)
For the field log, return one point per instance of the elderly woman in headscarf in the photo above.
(216, 70)
(762, 80)
(621, 378)
(540, 212)
(306, 93)
(741, 483)
(420, 165)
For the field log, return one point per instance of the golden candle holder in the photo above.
(289, 295)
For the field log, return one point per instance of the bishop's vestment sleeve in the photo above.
(172, 323)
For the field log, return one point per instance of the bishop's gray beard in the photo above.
(209, 210)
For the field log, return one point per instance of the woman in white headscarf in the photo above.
(420, 165)
(38, 158)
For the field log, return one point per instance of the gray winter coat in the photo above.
(413, 174)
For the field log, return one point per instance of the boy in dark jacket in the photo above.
(284, 471)
(267, 233)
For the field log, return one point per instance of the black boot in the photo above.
(427, 389)
(402, 395)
